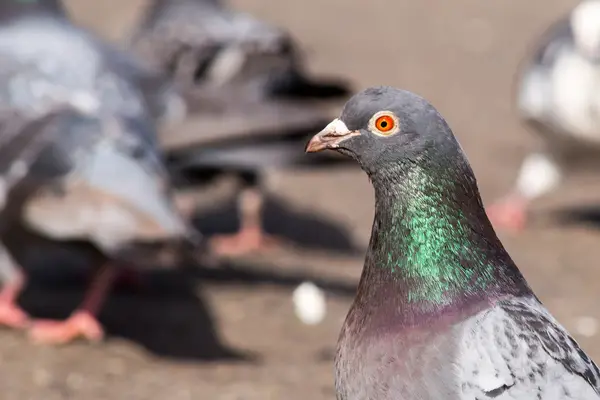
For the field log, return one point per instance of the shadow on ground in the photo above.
(586, 215)
(238, 273)
(165, 311)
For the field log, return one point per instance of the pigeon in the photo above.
(254, 107)
(203, 43)
(441, 311)
(80, 159)
(557, 98)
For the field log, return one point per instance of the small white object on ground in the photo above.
(586, 326)
(309, 303)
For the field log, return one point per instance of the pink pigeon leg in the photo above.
(539, 174)
(251, 237)
(82, 323)
(509, 213)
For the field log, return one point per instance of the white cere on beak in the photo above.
(309, 303)
(336, 128)
(539, 174)
(585, 23)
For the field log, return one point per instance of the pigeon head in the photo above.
(384, 128)
(431, 242)
(585, 25)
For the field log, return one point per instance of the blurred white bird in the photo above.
(559, 98)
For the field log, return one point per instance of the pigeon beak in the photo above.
(330, 137)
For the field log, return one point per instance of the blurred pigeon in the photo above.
(79, 157)
(441, 312)
(558, 98)
(253, 104)
(201, 42)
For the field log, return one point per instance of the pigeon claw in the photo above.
(509, 214)
(80, 324)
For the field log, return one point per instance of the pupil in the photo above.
(383, 124)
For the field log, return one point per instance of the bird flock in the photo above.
(95, 139)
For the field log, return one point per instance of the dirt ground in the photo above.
(231, 333)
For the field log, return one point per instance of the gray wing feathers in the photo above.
(554, 338)
(517, 350)
(21, 143)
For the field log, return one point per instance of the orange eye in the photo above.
(385, 123)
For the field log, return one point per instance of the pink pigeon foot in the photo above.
(11, 315)
(246, 241)
(509, 214)
(80, 324)
(251, 238)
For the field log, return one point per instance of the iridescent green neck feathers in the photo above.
(431, 238)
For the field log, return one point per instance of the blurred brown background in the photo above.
(461, 55)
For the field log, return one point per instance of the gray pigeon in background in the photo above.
(79, 158)
(203, 44)
(253, 107)
(441, 311)
(558, 98)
